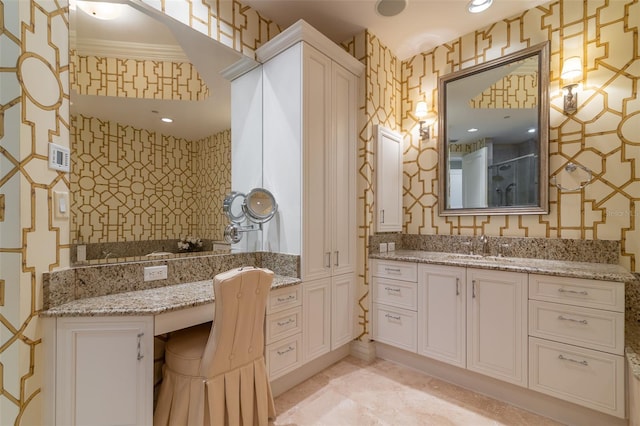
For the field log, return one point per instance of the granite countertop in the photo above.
(149, 302)
(632, 343)
(594, 271)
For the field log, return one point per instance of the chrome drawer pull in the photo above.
(289, 349)
(289, 321)
(583, 362)
(140, 355)
(389, 316)
(394, 270)
(284, 299)
(457, 286)
(397, 290)
(581, 293)
(563, 318)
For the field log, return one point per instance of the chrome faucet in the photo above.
(485, 244)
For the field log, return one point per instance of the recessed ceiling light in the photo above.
(167, 119)
(471, 130)
(531, 130)
(390, 7)
(100, 10)
(477, 6)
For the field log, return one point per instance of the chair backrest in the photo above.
(237, 335)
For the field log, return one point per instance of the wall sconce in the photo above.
(426, 119)
(572, 74)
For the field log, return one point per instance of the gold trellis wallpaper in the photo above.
(133, 78)
(34, 110)
(513, 91)
(131, 184)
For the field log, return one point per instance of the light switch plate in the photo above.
(383, 247)
(61, 204)
(391, 246)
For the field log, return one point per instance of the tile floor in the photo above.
(352, 392)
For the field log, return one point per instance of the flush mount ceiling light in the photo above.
(472, 130)
(167, 119)
(100, 10)
(477, 6)
(390, 7)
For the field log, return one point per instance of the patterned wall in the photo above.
(132, 78)
(602, 135)
(34, 110)
(131, 184)
(513, 91)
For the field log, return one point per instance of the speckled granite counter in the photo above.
(148, 302)
(632, 343)
(596, 271)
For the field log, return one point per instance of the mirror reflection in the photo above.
(150, 134)
(493, 136)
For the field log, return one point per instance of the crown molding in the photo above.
(120, 49)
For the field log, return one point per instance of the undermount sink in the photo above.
(479, 257)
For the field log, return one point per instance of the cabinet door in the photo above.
(316, 318)
(316, 193)
(104, 371)
(388, 181)
(497, 324)
(342, 170)
(342, 307)
(442, 313)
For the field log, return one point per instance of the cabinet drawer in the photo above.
(405, 271)
(283, 324)
(395, 326)
(583, 376)
(607, 295)
(591, 328)
(284, 356)
(284, 298)
(400, 294)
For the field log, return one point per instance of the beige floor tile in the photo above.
(352, 392)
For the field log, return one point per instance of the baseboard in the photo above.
(309, 369)
(363, 350)
(547, 406)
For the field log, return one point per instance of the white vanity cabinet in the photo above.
(395, 309)
(283, 331)
(442, 313)
(497, 324)
(388, 206)
(576, 343)
(103, 370)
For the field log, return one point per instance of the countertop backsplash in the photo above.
(111, 278)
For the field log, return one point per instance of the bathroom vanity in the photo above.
(552, 327)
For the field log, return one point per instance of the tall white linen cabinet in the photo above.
(310, 88)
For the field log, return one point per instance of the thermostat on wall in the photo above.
(59, 157)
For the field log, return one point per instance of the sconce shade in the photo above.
(421, 109)
(572, 68)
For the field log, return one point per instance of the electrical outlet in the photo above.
(152, 273)
(383, 247)
(391, 246)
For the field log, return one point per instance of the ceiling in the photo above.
(422, 25)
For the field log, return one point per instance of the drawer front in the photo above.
(400, 294)
(405, 271)
(284, 356)
(396, 327)
(591, 328)
(585, 377)
(284, 298)
(607, 295)
(283, 324)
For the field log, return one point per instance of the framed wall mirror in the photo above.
(493, 136)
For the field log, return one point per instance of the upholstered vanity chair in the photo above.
(216, 375)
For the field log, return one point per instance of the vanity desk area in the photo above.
(518, 329)
(103, 348)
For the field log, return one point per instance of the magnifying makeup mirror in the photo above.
(258, 207)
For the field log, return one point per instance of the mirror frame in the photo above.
(542, 51)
